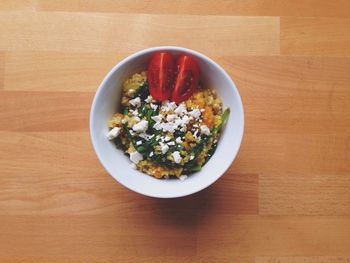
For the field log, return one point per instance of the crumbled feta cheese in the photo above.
(157, 137)
(144, 135)
(183, 129)
(163, 147)
(181, 109)
(171, 143)
(205, 130)
(135, 157)
(170, 117)
(135, 102)
(195, 133)
(134, 112)
(157, 118)
(138, 142)
(196, 113)
(169, 127)
(183, 177)
(178, 140)
(158, 126)
(186, 119)
(168, 106)
(202, 110)
(132, 132)
(112, 134)
(154, 106)
(191, 157)
(177, 157)
(151, 154)
(141, 126)
(149, 99)
(167, 138)
(124, 121)
(133, 166)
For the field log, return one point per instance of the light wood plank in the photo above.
(2, 70)
(302, 156)
(302, 259)
(294, 95)
(206, 7)
(18, 5)
(57, 71)
(97, 236)
(116, 235)
(282, 194)
(124, 259)
(278, 236)
(315, 36)
(124, 33)
(44, 111)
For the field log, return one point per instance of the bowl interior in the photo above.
(106, 103)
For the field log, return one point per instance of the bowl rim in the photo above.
(150, 50)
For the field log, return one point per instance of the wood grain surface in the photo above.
(286, 198)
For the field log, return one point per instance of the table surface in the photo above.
(285, 199)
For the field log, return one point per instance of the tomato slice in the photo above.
(160, 75)
(187, 78)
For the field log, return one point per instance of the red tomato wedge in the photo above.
(160, 75)
(187, 78)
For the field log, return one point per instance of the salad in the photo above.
(170, 123)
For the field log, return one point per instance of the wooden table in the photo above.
(285, 199)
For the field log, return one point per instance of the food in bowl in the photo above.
(170, 122)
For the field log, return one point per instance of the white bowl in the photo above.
(106, 103)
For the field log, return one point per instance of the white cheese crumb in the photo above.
(168, 106)
(154, 106)
(181, 109)
(178, 140)
(135, 102)
(195, 133)
(177, 157)
(134, 112)
(183, 177)
(186, 119)
(144, 136)
(112, 134)
(170, 117)
(191, 157)
(202, 110)
(138, 142)
(141, 126)
(158, 126)
(169, 127)
(133, 166)
(196, 113)
(163, 147)
(149, 99)
(171, 143)
(135, 157)
(157, 118)
(167, 138)
(151, 154)
(124, 121)
(205, 130)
